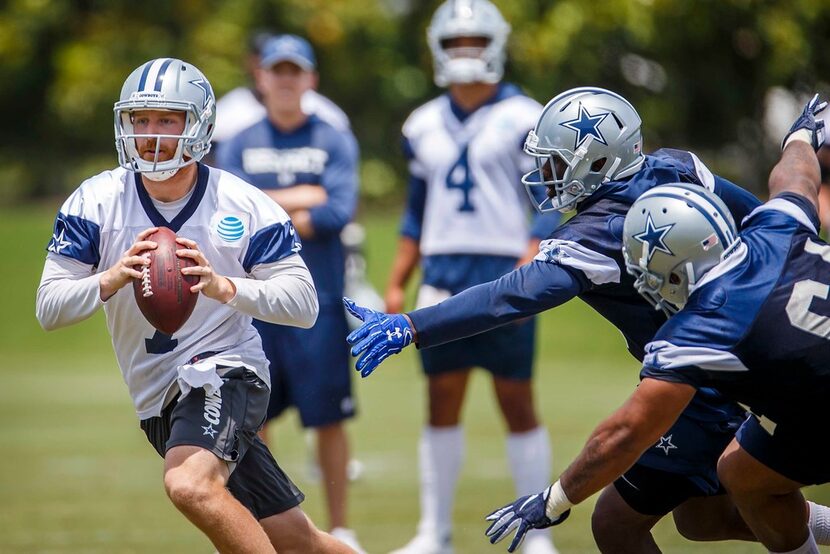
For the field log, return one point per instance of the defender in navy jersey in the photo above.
(753, 323)
(202, 393)
(589, 148)
(309, 168)
(468, 220)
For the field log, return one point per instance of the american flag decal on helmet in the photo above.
(709, 242)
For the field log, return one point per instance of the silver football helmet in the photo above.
(165, 84)
(468, 18)
(585, 137)
(673, 234)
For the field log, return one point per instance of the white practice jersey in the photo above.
(472, 167)
(242, 233)
(239, 109)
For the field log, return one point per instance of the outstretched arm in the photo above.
(525, 291)
(613, 447)
(798, 170)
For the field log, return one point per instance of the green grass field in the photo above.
(77, 474)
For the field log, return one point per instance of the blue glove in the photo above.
(807, 121)
(380, 336)
(524, 514)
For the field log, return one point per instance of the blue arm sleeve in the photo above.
(416, 199)
(413, 215)
(340, 181)
(739, 201)
(526, 291)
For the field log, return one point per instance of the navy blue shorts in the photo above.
(798, 452)
(226, 423)
(683, 464)
(505, 352)
(310, 368)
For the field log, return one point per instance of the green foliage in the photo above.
(698, 71)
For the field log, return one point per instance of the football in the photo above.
(163, 292)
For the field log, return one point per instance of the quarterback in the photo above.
(201, 394)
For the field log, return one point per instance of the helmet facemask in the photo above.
(468, 64)
(568, 176)
(584, 138)
(179, 87)
(672, 236)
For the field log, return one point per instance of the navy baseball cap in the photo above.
(287, 48)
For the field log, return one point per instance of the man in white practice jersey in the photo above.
(202, 393)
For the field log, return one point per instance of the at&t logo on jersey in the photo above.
(229, 228)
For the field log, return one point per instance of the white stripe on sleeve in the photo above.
(598, 268)
(665, 355)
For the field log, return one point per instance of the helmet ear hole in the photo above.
(675, 279)
(597, 166)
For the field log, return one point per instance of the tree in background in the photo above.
(699, 71)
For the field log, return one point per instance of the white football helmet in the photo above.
(468, 18)
(673, 234)
(585, 137)
(165, 84)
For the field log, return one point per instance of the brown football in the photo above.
(163, 292)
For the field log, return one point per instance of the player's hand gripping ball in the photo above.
(163, 292)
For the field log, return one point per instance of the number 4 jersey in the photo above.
(244, 235)
(757, 326)
(466, 195)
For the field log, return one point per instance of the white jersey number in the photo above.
(458, 177)
(798, 306)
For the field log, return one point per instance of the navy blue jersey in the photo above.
(757, 325)
(583, 258)
(313, 154)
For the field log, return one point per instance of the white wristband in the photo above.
(802, 134)
(558, 502)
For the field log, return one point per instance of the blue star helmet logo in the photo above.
(205, 86)
(655, 237)
(586, 125)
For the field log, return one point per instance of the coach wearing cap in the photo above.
(310, 169)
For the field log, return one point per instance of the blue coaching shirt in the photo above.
(313, 154)
(757, 325)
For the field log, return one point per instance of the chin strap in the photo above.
(159, 175)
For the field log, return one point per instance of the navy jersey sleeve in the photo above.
(526, 291)
(340, 181)
(271, 244)
(739, 201)
(695, 344)
(687, 167)
(416, 198)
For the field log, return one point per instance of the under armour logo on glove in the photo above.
(524, 514)
(812, 129)
(380, 336)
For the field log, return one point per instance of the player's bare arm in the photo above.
(124, 271)
(614, 446)
(798, 170)
(210, 284)
(622, 438)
